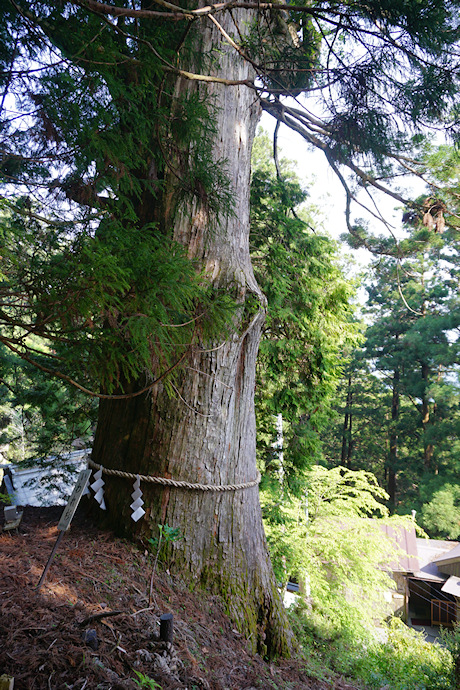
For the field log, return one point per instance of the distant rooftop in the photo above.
(419, 557)
(429, 553)
(451, 556)
(404, 537)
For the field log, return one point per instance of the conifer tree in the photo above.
(412, 357)
(357, 434)
(409, 343)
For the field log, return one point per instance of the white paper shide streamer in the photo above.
(136, 505)
(98, 488)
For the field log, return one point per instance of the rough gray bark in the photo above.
(206, 433)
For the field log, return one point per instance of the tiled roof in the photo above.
(419, 557)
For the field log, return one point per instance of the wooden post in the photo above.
(67, 515)
(166, 627)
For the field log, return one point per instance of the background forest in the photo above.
(371, 386)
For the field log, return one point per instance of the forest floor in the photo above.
(90, 625)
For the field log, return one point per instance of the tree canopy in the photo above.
(87, 132)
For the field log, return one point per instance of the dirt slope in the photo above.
(57, 638)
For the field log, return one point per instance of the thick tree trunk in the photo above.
(206, 432)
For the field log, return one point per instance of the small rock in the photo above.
(90, 638)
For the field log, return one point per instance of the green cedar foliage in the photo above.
(441, 166)
(308, 321)
(92, 126)
(357, 431)
(93, 129)
(412, 348)
(88, 262)
(40, 416)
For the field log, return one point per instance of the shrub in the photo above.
(403, 661)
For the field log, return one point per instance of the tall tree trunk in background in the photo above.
(205, 433)
(347, 428)
(428, 447)
(393, 453)
(350, 441)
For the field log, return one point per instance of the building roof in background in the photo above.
(404, 538)
(420, 557)
(452, 586)
(451, 556)
(429, 552)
